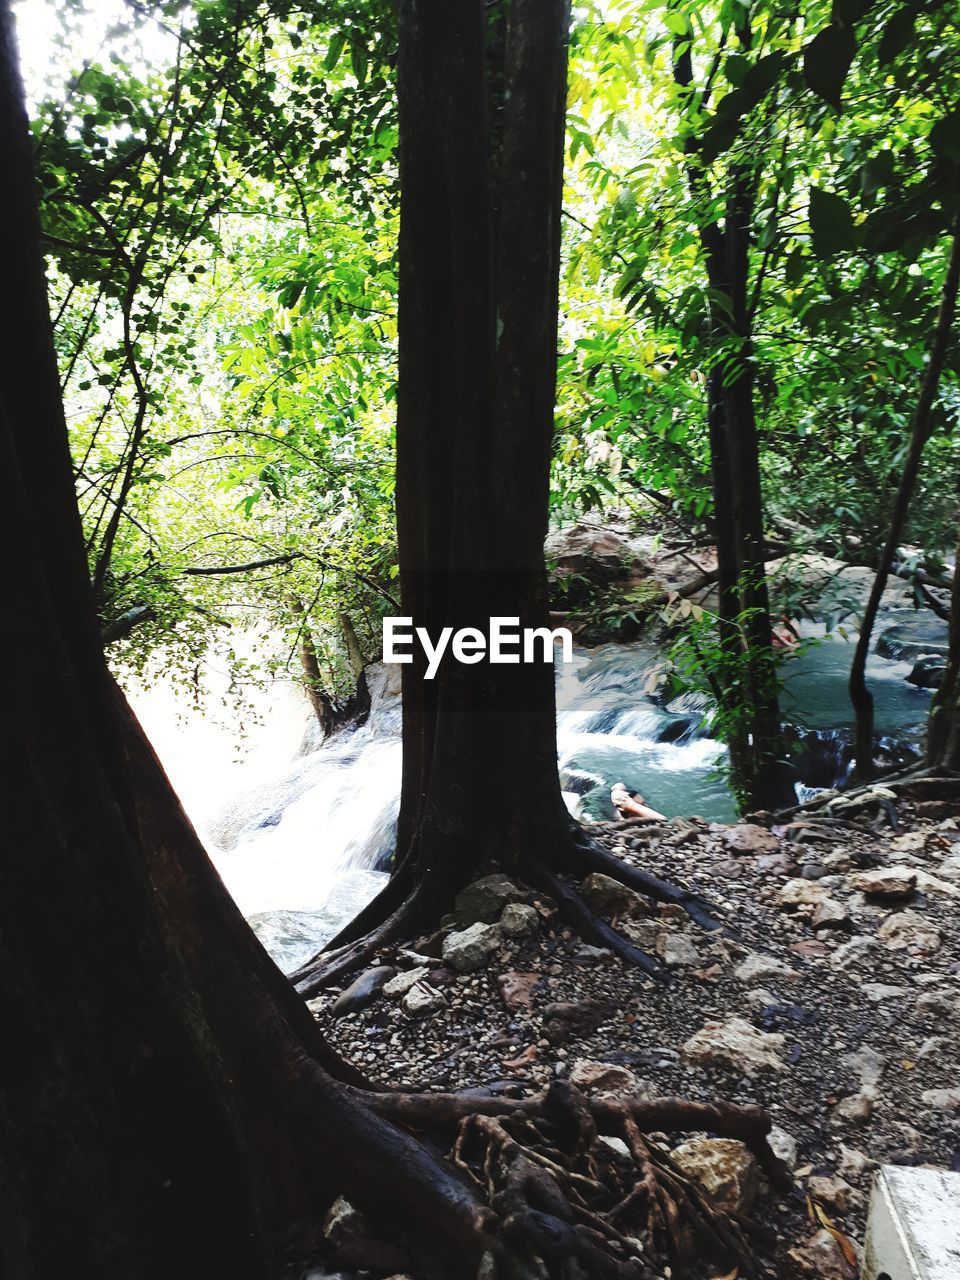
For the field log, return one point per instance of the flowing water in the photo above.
(302, 833)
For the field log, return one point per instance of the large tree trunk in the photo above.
(920, 429)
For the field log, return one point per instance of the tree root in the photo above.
(568, 1204)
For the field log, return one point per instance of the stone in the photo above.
(748, 837)
(608, 897)
(833, 1192)
(866, 1063)
(783, 1145)
(342, 1221)
(484, 899)
(401, 984)
(615, 1144)
(853, 1163)
(913, 1228)
(908, 931)
(471, 948)
(737, 1045)
(725, 1169)
(938, 1004)
(855, 952)
(676, 950)
(643, 934)
(830, 914)
(821, 1258)
(802, 895)
(518, 920)
(885, 883)
(941, 1099)
(935, 1047)
(761, 968)
(603, 1078)
(878, 992)
(565, 1018)
(760, 998)
(422, 999)
(516, 989)
(362, 991)
(856, 1109)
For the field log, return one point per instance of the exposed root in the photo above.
(570, 1205)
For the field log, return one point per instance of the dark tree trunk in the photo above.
(920, 429)
(164, 1104)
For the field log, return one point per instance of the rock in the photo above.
(737, 1045)
(724, 1168)
(908, 931)
(608, 897)
(928, 671)
(939, 1004)
(934, 1047)
(885, 882)
(877, 992)
(866, 1063)
(760, 998)
(676, 950)
(852, 1163)
(401, 984)
(484, 899)
(615, 1144)
(802, 895)
(783, 1145)
(362, 991)
(834, 1193)
(830, 914)
(747, 837)
(342, 1221)
(855, 952)
(518, 920)
(821, 1258)
(941, 1099)
(516, 989)
(422, 999)
(855, 1109)
(562, 1019)
(471, 948)
(759, 968)
(925, 635)
(603, 1078)
(643, 933)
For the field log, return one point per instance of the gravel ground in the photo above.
(860, 993)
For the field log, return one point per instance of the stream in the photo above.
(302, 832)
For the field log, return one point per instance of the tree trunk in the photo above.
(478, 333)
(920, 428)
(943, 727)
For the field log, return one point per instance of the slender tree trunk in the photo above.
(943, 727)
(920, 428)
(320, 700)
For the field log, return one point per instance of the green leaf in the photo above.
(826, 61)
(831, 223)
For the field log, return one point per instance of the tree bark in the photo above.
(943, 727)
(920, 429)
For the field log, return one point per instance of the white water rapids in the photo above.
(302, 834)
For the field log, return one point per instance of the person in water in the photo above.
(631, 804)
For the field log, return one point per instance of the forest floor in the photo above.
(836, 1005)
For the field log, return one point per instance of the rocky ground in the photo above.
(833, 1001)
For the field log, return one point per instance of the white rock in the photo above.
(422, 999)
(676, 950)
(855, 952)
(908, 931)
(737, 1045)
(401, 984)
(866, 1063)
(519, 920)
(941, 1099)
(783, 1145)
(471, 948)
(760, 968)
(725, 1168)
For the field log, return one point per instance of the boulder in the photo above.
(885, 883)
(761, 968)
(603, 1078)
(834, 1193)
(362, 991)
(821, 1258)
(564, 1018)
(928, 671)
(676, 950)
(830, 914)
(942, 1099)
(748, 837)
(485, 899)
(725, 1169)
(518, 920)
(737, 1045)
(923, 636)
(401, 984)
(471, 948)
(783, 1145)
(608, 897)
(802, 895)
(908, 931)
(422, 999)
